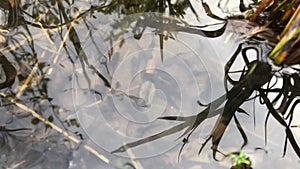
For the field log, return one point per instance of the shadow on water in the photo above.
(89, 77)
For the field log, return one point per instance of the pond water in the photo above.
(83, 78)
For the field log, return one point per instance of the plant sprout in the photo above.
(239, 159)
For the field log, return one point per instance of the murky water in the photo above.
(100, 74)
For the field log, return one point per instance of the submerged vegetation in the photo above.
(41, 39)
(254, 78)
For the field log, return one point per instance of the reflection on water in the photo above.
(141, 85)
(102, 74)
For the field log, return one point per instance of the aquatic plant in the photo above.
(270, 27)
(240, 160)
